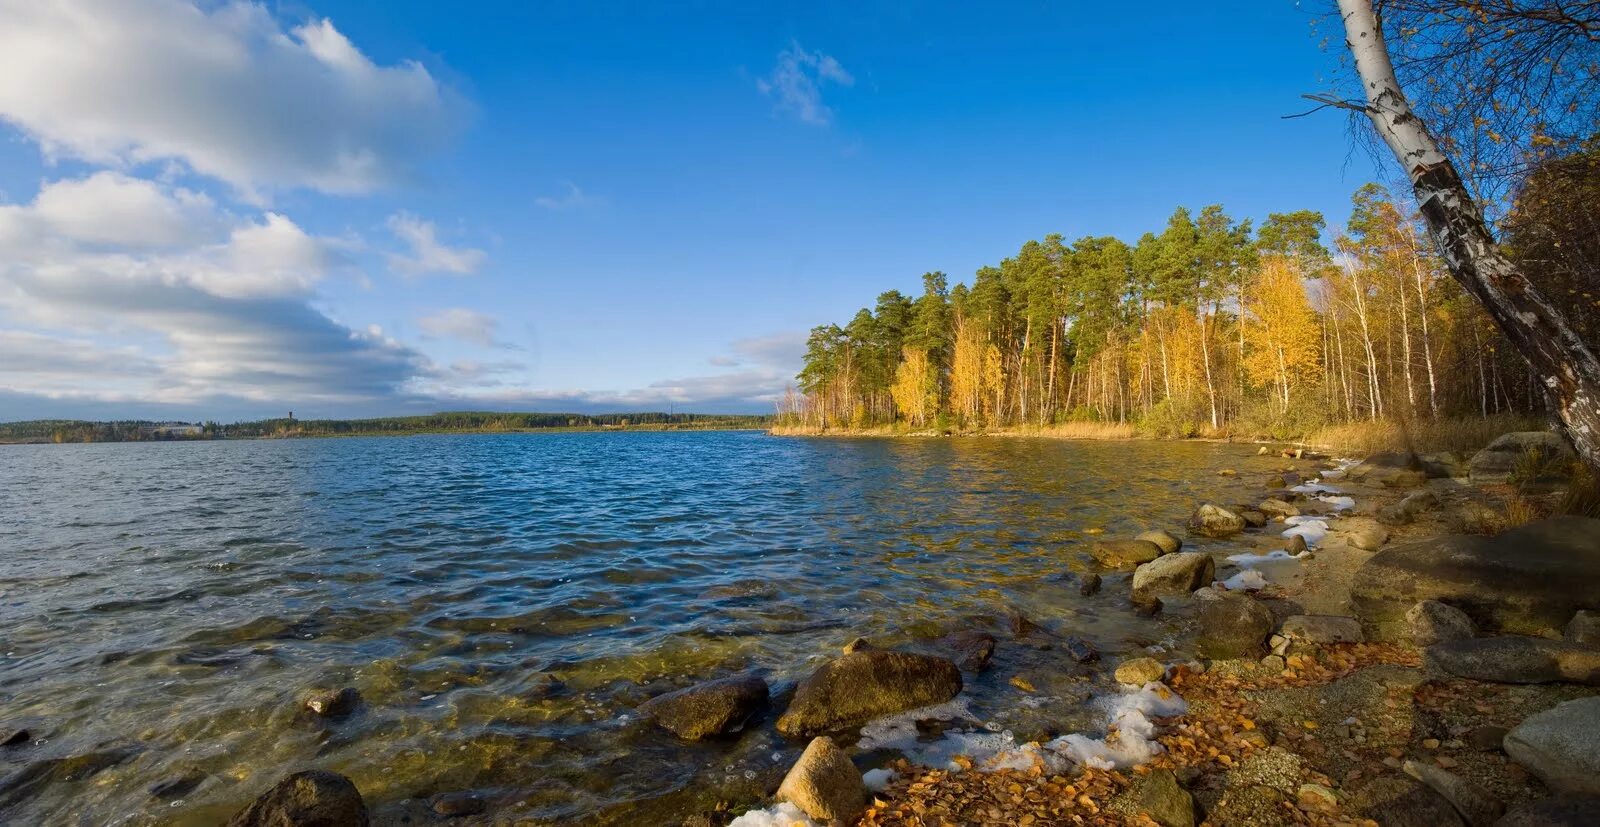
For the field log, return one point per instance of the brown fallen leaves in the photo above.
(1201, 744)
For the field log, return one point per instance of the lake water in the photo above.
(503, 602)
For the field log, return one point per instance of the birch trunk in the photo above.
(1564, 364)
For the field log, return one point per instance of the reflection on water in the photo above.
(503, 602)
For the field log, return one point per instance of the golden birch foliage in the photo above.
(994, 382)
(915, 391)
(966, 372)
(1282, 336)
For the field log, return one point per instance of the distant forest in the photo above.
(66, 430)
(1210, 326)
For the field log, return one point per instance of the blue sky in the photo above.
(232, 210)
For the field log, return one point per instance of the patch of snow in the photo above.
(1247, 560)
(1316, 488)
(1247, 580)
(879, 779)
(899, 732)
(1312, 528)
(778, 815)
(1338, 503)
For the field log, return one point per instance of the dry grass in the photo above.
(1460, 435)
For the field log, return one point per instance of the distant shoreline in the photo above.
(70, 431)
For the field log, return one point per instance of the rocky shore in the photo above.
(1360, 643)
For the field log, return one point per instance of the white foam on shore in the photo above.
(1312, 528)
(899, 732)
(778, 815)
(879, 779)
(1338, 503)
(1131, 730)
(1316, 488)
(1247, 580)
(1248, 559)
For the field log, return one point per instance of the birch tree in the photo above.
(1564, 364)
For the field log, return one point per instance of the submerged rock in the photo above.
(178, 786)
(1431, 622)
(315, 798)
(1561, 745)
(713, 708)
(1089, 584)
(1145, 605)
(1164, 540)
(332, 703)
(1175, 573)
(825, 784)
(854, 689)
(1118, 554)
(14, 736)
(1080, 650)
(1517, 659)
(453, 805)
(1215, 521)
(35, 776)
(1499, 460)
(1233, 626)
(970, 650)
(1541, 573)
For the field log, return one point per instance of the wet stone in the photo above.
(178, 786)
(1164, 540)
(332, 703)
(315, 797)
(705, 710)
(969, 650)
(14, 737)
(1165, 801)
(1080, 650)
(452, 805)
(1089, 584)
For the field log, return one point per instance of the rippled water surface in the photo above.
(503, 602)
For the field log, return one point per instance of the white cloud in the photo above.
(573, 199)
(796, 83)
(428, 254)
(228, 316)
(223, 88)
(463, 324)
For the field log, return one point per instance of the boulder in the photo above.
(1165, 801)
(1322, 629)
(1179, 573)
(1215, 521)
(852, 690)
(1118, 554)
(1395, 469)
(1431, 622)
(1495, 463)
(1295, 544)
(1275, 507)
(1516, 659)
(1561, 745)
(1252, 517)
(1558, 811)
(1364, 534)
(825, 784)
(705, 710)
(1140, 671)
(1164, 540)
(315, 798)
(1233, 626)
(1541, 573)
(970, 650)
(1584, 628)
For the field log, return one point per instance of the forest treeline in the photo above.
(1210, 326)
(464, 422)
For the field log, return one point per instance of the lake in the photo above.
(503, 602)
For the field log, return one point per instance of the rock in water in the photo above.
(1233, 626)
(1215, 521)
(1584, 628)
(1559, 811)
(713, 708)
(969, 650)
(1140, 671)
(1542, 573)
(452, 805)
(1164, 540)
(1089, 584)
(825, 784)
(1080, 650)
(1275, 507)
(315, 798)
(852, 690)
(1175, 573)
(1165, 801)
(1516, 659)
(1118, 554)
(333, 703)
(1431, 622)
(1561, 745)
(1495, 463)
(1145, 605)
(1322, 629)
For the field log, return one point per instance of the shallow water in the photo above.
(503, 602)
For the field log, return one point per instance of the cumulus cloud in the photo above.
(796, 83)
(463, 324)
(229, 315)
(222, 88)
(428, 255)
